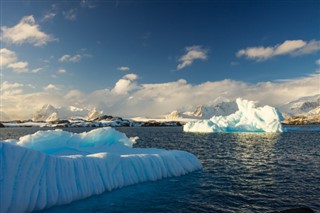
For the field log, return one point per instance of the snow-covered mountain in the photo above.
(223, 109)
(206, 111)
(305, 110)
(50, 113)
(301, 106)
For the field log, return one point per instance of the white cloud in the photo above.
(26, 31)
(37, 70)
(48, 16)
(7, 86)
(7, 57)
(19, 67)
(259, 53)
(311, 47)
(123, 68)
(126, 84)
(131, 76)
(51, 87)
(74, 95)
(9, 89)
(31, 86)
(87, 4)
(192, 53)
(61, 70)
(70, 14)
(69, 58)
(129, 98)
(292, 47)
(289, 46)
(318, 61)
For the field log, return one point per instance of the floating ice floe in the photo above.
(56, 167)
(248, 118)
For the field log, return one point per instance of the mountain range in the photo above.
(300, 111)
(50, 113)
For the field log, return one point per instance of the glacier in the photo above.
(56, 167)
(248, 118)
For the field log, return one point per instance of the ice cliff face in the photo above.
(248, 118)
(55, 167)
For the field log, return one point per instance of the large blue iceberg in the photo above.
(248, 118)
(56, 167)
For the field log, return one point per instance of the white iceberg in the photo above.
(56, 167)
(248, 118)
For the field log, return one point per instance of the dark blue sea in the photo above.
(242, 172)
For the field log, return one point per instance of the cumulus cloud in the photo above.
(26, 31)
(69, 58)
(7, 57)
(123, 68)
(61, 70)
(129, 98)
(9, 89)
(131, 76)
(19, 67)
(51, 87)
(8, 86)
(70, 14)
(192, 53)
(292, 47)
(126, 84)
(37, 70)
(9, 60)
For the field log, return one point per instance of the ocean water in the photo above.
(242, 172)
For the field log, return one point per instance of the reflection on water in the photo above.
(255, 157)
(242, 172)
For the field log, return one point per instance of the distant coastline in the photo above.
(111, 121)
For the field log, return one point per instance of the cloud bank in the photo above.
(129, 98)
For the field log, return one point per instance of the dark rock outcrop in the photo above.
(104, 117)
(60, 122)
(1, 125)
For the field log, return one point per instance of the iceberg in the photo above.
(248, 118)
(57, 167)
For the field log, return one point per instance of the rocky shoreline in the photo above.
(302, 120)
(102, 121)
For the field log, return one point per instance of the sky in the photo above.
(135, 58)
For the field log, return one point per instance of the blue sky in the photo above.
(89, 45)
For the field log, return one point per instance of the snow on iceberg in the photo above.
(56, 167)
(248, 118)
